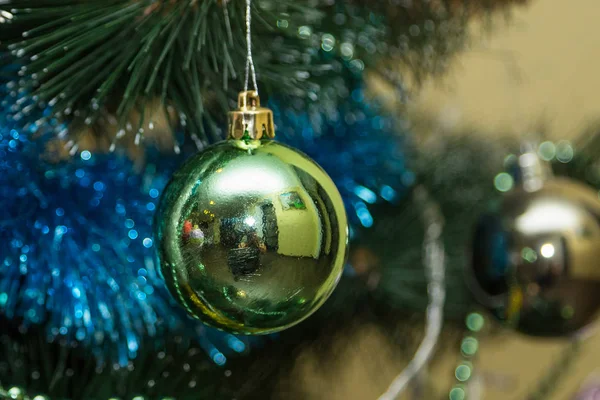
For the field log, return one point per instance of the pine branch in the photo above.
(89, 59)
(78, 57)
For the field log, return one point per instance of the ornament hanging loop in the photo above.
(250, 120)
(250, 70)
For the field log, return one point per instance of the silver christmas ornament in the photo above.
(536, 257)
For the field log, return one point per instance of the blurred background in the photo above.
(532, 71)
(427, 114)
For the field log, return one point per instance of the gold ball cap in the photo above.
(250, 120)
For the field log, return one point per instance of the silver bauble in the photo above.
(536, 257)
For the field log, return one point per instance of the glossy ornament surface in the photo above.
(252, 236)
(536, 259)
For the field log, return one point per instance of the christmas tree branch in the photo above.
(78, 57)
(94, 59)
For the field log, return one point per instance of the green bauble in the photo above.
(252, 236)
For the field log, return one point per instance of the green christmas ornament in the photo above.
(252, 235)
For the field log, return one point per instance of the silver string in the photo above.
(249, 59)
(434, 255)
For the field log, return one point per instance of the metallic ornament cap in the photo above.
(250, 120)
(533, 171)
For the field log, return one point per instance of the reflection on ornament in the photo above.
(197, 234)
(187, 228)
(264, 233)
(534, 258)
